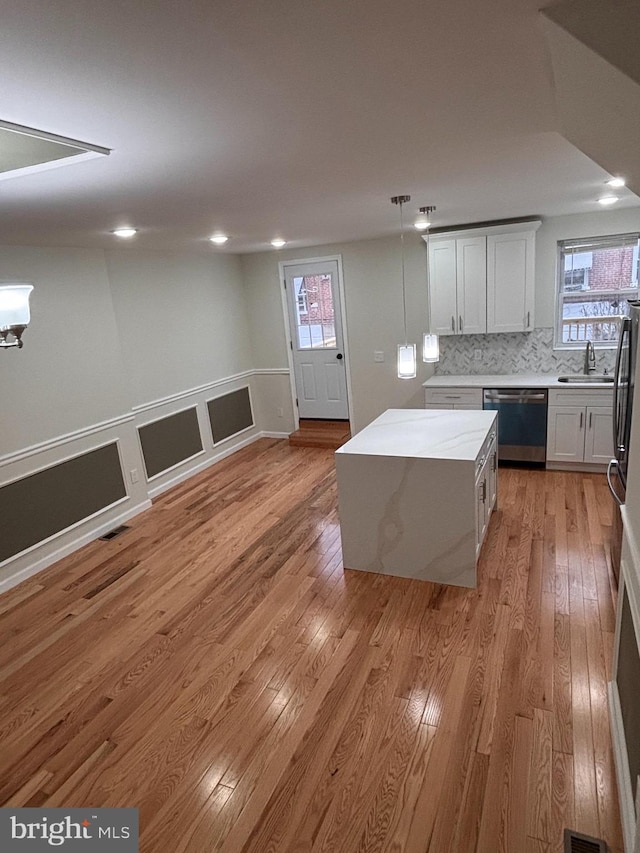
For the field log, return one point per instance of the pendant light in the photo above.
(430, 348)
(430, 345)
(406, 351)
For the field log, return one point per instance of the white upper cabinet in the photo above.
(471, 264)
(458, 285)
(443, 300)
(510, 281)
(482, 279)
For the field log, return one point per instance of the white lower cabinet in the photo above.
(579, 427)
(486, 489)
(453, 398)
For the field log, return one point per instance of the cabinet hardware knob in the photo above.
(453, 324)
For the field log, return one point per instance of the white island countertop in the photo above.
(508, 380)
(415, 493)
(422, 434)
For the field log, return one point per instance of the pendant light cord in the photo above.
(404, 296)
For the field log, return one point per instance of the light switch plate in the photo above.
(378, 355)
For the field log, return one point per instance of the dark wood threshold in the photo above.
(313, 432)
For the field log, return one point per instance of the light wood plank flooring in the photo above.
(216, 667)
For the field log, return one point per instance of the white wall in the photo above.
(69, 372)
(110, 331)
(374, 318)
(181, 320)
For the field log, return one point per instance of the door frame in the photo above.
(288, 334)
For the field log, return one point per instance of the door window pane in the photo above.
(314, 311)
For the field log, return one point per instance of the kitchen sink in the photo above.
(595, 378)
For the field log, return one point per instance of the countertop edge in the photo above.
(511, 380)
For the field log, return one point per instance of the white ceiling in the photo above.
(292, 118)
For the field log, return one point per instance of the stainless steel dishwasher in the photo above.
(522, 422)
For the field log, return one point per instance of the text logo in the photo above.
(27, 830)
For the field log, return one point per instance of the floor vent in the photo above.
(113, 533)
(574, 842)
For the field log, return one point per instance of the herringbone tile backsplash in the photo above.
(517, 352)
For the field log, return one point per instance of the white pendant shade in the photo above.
(14, 304)
(430, 349)
(406, 361)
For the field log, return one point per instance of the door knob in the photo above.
(339, 356)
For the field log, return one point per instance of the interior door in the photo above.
(317, 344)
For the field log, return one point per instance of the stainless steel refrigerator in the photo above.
(622, 411)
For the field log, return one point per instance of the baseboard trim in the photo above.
(12, 578)
(621, 762)
(583, 467)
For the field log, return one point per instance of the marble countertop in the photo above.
(423, 434)
(510, 380)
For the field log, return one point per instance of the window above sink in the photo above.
(596, 277)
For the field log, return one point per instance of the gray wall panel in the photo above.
(230, 414)
(169, 441)
(44, 503)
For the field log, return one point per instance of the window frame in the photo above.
(603, 241)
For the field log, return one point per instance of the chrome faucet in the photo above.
(589, 359)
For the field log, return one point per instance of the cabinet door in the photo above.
(492, 480)
(565, 433)
(471, 266)
(510, 282)
(443, 309)
(481, 511)
(598, 443)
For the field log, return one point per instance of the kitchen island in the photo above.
(415, 492)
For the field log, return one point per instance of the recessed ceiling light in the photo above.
(616, 182)
(278, 243)
(125, 232)
(608, 199)
(219, 239)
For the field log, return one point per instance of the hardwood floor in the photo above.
(216, 667)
